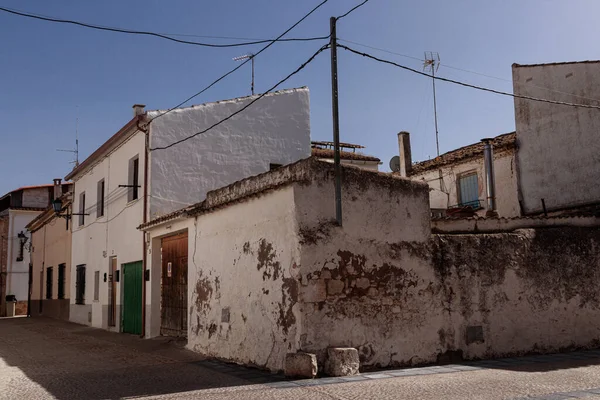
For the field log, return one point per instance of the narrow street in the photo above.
(43, 358)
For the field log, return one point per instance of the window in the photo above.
(96, 285)
(468, 190)
(134, 178)
(81, 208)
(100, 199)
(80, 285)
(61, 281)
(49, 282)
(274, 166)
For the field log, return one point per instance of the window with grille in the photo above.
(96, 285)
(61, 281)
(134, 178)
(100, 199)
(468, 189)
(49, 272)
(80, 285)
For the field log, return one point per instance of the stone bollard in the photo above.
(301, 365)
(342, 361)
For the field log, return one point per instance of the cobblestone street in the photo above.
(43, 358)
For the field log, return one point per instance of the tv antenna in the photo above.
(75, 151)
(432, 64)
(246, 57)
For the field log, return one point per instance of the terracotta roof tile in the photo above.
(344, 155)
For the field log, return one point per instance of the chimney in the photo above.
(57, 188)
(138, 109)
(405, 157)
(490, 181)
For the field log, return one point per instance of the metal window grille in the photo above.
(49, 273)
(61, 281)
(80, 285)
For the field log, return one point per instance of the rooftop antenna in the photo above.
(75, 151)
(432, 64)
(246, 57)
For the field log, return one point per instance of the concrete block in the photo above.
(301, 365)
(342, 361)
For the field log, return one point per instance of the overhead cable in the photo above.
(352, 9)
(300, 68)
(155, 34)
(466, 84)
(243, 63)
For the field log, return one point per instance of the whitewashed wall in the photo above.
(443, 196)
(276, 129)
(17, 280)
(113, 235)
(558, 157)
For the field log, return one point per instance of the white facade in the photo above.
(275, 130)
(558, 158)
(17, 278)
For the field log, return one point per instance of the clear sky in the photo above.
(50, 73)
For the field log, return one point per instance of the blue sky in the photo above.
(49, 71)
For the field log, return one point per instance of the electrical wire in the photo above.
(147, 33)
(300, 68)
(245, 62)
(468, 71)
(352, 9)
(467, 84)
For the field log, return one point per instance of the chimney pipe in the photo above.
(490, 181)
(405, 156)
(57, 188)
(138, 109)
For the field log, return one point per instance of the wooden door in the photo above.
(173, 310)
(132, 297)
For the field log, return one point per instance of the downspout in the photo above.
(144, 220)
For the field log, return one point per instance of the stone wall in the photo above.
(454, 296)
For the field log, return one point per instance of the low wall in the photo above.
(482, 225)
(55, 308)
(454, 296)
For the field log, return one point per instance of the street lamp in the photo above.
(22, 240)
(57, 205)
(251, 58)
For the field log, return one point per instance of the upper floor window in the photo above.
(100, 199)
(134, 178)
(468, 190)
(81, 208)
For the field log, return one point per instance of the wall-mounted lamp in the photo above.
(57, 205)
(22, 240)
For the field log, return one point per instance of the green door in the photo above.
(132, 297)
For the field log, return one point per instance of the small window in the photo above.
(80, 285)
(468, 189)
(61, 281)
(100, 200)
(49, 273)
(96, 285)
(81, 208)
(274, 166)
(134, 178)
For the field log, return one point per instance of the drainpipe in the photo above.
(144, 218)
(490, 181)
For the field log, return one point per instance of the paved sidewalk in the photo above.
(43, 358)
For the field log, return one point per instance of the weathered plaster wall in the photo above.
(444, 193)
(242, 283)
(558, 157)
(112, 235)
(38, 197)
(4, 223)
(276, 129)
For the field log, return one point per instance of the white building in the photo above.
(17, 209)
(129, 180)
(559, 152)
(457, 181)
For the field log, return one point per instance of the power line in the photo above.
(147, 33)
(469, 71)
(467, 84)
(301, 67)
(244, 63)
(352, 9)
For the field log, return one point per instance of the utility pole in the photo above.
(336, 122)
